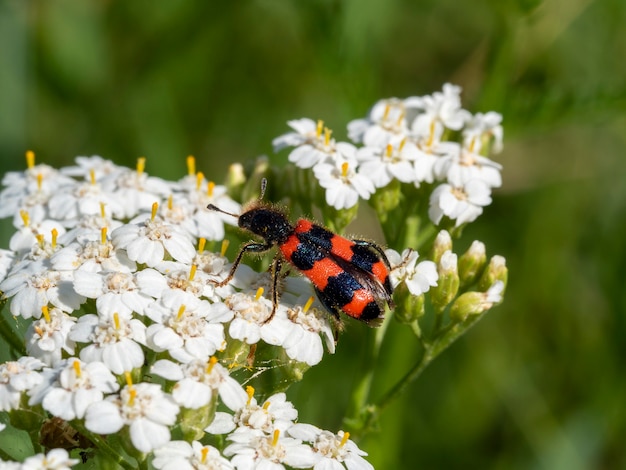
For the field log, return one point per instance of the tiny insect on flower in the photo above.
(350, 276)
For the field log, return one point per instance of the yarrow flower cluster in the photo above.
(418, 140)
(132, 335)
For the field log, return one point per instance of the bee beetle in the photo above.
(349, 276)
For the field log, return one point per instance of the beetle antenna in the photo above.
(263, 186)
(212, 207)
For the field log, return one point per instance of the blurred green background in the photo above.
(540, 382)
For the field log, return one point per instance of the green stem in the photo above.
(361, 393)
(427, 354)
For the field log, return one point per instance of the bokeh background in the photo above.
(540, 382)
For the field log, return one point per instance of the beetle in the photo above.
(348, 275)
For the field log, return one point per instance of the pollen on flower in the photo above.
(199, 180)
(155, 208)
(30, 158)
(224, 247)
(25, 216)
(191, 165)
(76, 366)
(459, 193)
(210, 188)
(141, 165)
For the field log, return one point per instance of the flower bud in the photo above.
(495, 271)
(235, 179)
(475, 303)
(193, 422)
(386, 199)
(448, 283)
(442, 243)
(409, 307)
(472, 263)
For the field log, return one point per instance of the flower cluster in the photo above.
(108, 267)
(133, 333)
(417, 140)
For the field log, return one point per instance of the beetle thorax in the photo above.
(270, 224)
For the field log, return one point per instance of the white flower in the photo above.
(144, 408)
(56, 459)
(113, 339)
(438, 111)
(335, 451)
(92, 252)
(17, 377)
(463, 204)
(461, 165)
(198, 381)
(419, 277)
(303, 342)
(480, 129)
(254, 450)
(147, 242)
(394, 161)
(187, 327)
(69, 389)
(114, 291)
(32, 288)
(386, 120)
(344, 184)
(172, 276)
(135, 190)
(181, 455)
(48, 337)
(313, 144)
(251, 319)
(206, 223)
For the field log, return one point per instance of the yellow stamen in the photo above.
(141, 165)
(388, 150)
(155, 208)
(320, 128)
(259, 293)
(39, 180)
(39, 331)
(212, 362)
(46, 313)
(192, 271)
(470, 148)
(344, 439)
(431, 137)
(209, 189)
(266, 405)
(400, 118)
(92, 177)
(40, 240)
(386, 112)
(55, 234)
(344, 169)
(201, 244)
(170, 202)
(204, 452)
(250, 392)
(402, 144)
(275, 437)
(132, 394)
(103, 235)
(103, 213)
(308, 304)
(76, 366)
(191, 165)
(327, 133)
(30, 158)
(116, 321)
(25, 217)
(181, 312)
(199, 179)
(225, 244)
